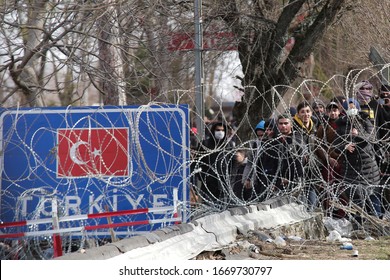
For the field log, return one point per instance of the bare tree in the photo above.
(40, 52)
(347, 44)
(108, 84)
(58, 52)
(262, 29)
(119, 50)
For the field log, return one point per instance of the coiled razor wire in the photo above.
(336, 199)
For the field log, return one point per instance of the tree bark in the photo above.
(260, 47)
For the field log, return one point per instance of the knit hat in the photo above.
(260, 126)
(317, 103)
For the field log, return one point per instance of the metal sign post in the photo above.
(199, 100)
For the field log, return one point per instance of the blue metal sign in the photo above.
(92, 160)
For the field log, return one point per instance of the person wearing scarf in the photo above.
(316, 157)
(365, 97)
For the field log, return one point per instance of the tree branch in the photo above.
(304, 45)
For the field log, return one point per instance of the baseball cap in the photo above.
(332, 105)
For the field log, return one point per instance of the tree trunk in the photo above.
(261, 46)
(108, 84)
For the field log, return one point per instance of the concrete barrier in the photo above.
(185, 241)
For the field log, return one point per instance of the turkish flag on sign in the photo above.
(94, 151)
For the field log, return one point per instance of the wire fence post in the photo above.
(57, 243)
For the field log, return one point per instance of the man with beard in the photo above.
(284, 158)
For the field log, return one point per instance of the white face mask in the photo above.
(219, 135)
(352, 112)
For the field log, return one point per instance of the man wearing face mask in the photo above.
(353, 111)
(215, 162)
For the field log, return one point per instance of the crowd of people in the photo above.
(328, 154)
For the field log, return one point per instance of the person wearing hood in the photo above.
(215, 166)
(353, 113)
(365, 96)
(254, 178)
(359, 172)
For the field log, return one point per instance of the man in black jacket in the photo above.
(382, 120)
(283, 162)
(359, 171)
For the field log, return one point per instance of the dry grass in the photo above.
(378, 249)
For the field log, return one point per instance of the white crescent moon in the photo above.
(73, 153)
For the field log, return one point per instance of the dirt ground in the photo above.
(378, 249)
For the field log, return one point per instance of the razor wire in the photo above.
(151, 154)
(357, 202)
(334, 199)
